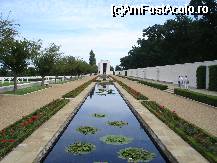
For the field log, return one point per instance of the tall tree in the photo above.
(92, 59)
(15, 56)
(45, 60)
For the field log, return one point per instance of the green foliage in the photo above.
(154, 85)
(24, 91)
(203, 142)
(79, 148)
(77, 90)
(117, 123)
(207, 99)
(14, 134)
(136, 155)
(201, 77)
(92, 59)
(116, 139)
(87, 130)
(118, 68)
(98, 115)
(213, 78)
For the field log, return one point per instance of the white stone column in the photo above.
(207, 77)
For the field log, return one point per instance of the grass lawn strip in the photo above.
(199, 139)
(24, 91)
(14, 134)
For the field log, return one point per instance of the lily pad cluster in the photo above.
(117, 123)
(79, 148)
(98, 115)
(87, 130)
(116, 139)
(110, 91)
(136, 155)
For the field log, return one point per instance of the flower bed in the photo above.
(14, 134)
(78, 90)
(133, 92)
(203, 142)
(207, 99)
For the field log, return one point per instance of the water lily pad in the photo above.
(117, 123)
(110, 91)
(87, 130)
(98, 115)
(116, 139)
(136, 155)
(79, 148)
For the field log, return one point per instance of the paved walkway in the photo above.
(32, 149)
(13, 107)
(171, 144)
(199, 114)
(172, 86)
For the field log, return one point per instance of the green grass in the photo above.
(6, 83)
(26, 90)
(14, 134)
(207, 99)
(199, 139)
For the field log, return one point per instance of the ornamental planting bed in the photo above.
(14, 134)
(203, 142)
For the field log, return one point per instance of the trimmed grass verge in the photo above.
(14, 134)
(78, 90)
(154, 85)
(24, 91)
(199, 139)
(207, 99)
(131, 91)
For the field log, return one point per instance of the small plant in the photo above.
(117, 123)
(87, 130)
(98, 115)
(136, 155)
(79, 148)
(116, 139)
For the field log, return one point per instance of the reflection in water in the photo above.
(92, 92)
(111, 107)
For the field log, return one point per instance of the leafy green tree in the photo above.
(92, 59)
(15, 56)
(118, 68)
(45, 60)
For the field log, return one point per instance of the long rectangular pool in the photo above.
(110, 130)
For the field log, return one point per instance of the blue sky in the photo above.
(81, 25)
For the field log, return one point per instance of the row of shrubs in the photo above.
(151, 84)
(14, 134)
(78, 90)
(203, 142)
(133, 92)
(208, 99)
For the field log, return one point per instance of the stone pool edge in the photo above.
(38, 144)
(173, 146)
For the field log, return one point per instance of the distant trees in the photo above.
(178, 40)
(92, 62)
(118, 68)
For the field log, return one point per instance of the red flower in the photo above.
(174, 111)
(161, 107)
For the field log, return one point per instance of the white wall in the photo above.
(170, 73)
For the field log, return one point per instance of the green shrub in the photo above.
(154, 85)
(201, 77)
(199, 139)
(14, 134)
(207, 99)
(213, 78)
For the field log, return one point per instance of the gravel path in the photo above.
(201, 115)
(13, 107)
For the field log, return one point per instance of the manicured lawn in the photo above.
(26, 90)
(8, 84)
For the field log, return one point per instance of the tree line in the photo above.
(184, 39)
(22, 57)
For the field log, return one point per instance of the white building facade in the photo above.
(104, 67)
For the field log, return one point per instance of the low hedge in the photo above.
(207, 99)
(199, 139)
(201, 77)
(133, 92)
(213, 78)
(154, 85)
(14, 134)
(78, 90)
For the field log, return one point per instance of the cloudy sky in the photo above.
(81, 25)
